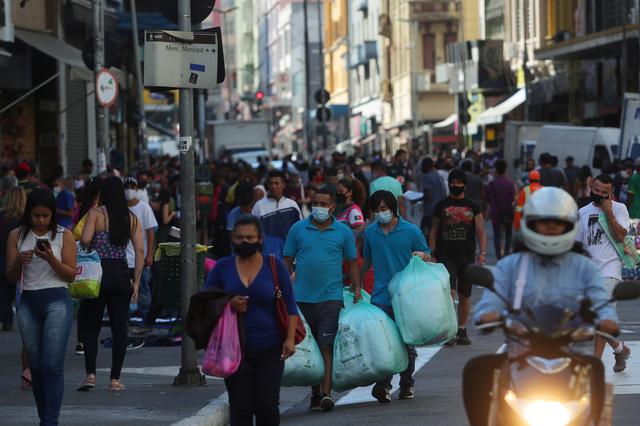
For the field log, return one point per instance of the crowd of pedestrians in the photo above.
(308, 229)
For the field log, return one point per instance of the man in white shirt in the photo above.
(145, 215)
(600, 248)
(277, 214)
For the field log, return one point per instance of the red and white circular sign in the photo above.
(106, 88)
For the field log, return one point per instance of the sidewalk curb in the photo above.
(216, 413)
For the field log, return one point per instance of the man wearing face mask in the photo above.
(597, 242)
(319, 245)
(388, 245)
(147, 219)
(457, 224)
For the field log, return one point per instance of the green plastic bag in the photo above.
(422, 305)
(368, 348)
(347, 297)
(306, 366)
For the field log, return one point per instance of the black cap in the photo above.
(569, 158)
(458, 174)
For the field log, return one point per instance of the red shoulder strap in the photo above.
(274, 271)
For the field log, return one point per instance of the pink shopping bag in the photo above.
(223, 355)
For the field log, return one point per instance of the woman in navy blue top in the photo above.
(254, 390)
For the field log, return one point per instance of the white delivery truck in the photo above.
(595, 147)
(241, 140)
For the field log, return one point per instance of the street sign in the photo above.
(184, 143)
(322, 96)
(181, 59)
(106, 88)
(630, 127)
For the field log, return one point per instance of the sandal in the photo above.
(26, 379)
(88, 383)
(116, 386)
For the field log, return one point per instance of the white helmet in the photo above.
(550, 203)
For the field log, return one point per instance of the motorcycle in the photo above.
(542, 380)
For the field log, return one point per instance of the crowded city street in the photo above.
(320, 212)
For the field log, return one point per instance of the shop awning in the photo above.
(607, 43)
(53, 47)
(449, 121)
(495, 114)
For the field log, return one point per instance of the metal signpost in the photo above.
(185, 60)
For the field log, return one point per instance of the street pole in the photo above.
(189, 373)
(320, 49)
(526, 60)
(307, 87)
(142, 126)
(102, 134)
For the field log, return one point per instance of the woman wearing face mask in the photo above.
(389, 244)
(254, 390)
(350, 212)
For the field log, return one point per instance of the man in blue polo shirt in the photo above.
(389, 243)
(319, 244)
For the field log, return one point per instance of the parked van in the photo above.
(595, 147)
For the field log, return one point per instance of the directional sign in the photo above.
(106, 88)
(186, 60)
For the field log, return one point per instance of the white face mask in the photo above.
(57, 190)
(130, 194)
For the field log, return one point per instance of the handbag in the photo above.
(626, 249)
(281, 307)
(88, 275)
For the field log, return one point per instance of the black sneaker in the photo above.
(381, 393)
(327, 403)
(315, 403)
(79, 349)
(462, 338)
(621, 359)
(406, 392)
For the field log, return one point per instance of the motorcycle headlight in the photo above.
(547, 413)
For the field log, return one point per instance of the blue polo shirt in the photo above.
(390, 254)
(319, 256)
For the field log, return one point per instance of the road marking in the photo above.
(166, 371)
(628, 381)
(363, 394)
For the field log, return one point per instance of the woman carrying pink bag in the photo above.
(254, 385)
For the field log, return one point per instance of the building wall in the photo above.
(34, 15)
(336, 50)
(246, 49)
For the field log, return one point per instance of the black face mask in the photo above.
(597, 199)
(341, 198)
(456, 190)
(245, 249)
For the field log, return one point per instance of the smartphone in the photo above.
(43, 243)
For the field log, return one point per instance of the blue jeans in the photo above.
(406, 377)
(45, 317)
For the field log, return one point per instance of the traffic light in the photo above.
(322, 97)
(259, 100)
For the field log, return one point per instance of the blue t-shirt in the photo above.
(390, 254)
(319, 256)
(260, 320)
(66, 202)
(234, 214)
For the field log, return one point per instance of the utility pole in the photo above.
(189, 373)
(142, 126)
(321, 55)
(102, 125)
(526, 60)
(308, 141)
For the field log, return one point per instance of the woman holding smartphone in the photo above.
(108, 230)
(41, 257)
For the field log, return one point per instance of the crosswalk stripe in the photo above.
(363, 394)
